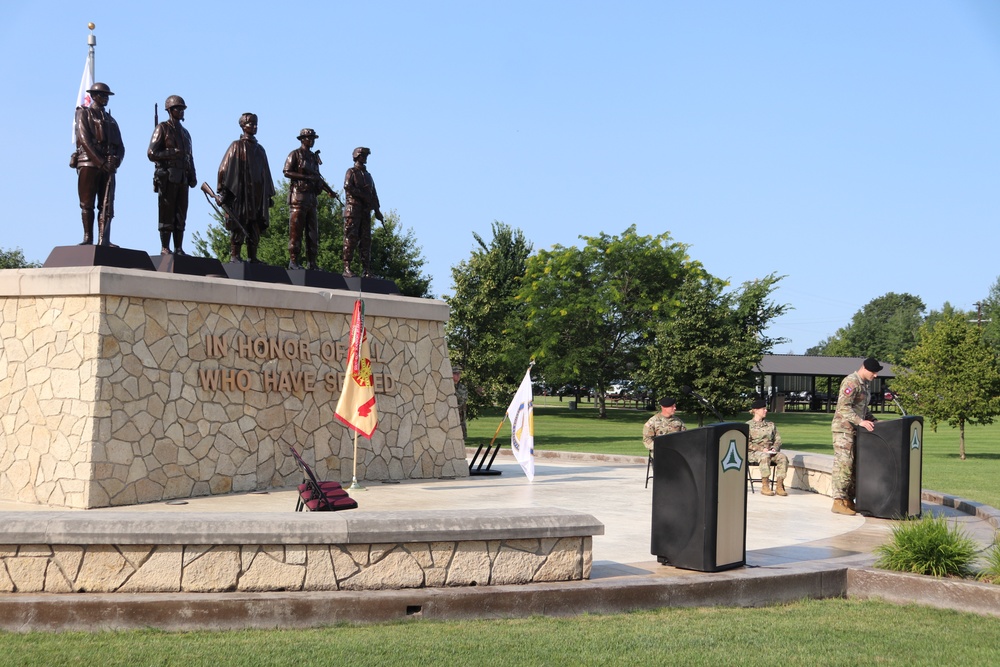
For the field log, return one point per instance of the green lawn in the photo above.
(823, 632)
(580, 430)
(811, 632)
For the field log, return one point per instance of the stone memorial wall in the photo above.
(120, 386)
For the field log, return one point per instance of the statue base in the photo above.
(313, 278)
(189, 265)
(257, 272)
(371, 285)
(98, 255)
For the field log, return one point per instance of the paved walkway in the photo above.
(797, 529)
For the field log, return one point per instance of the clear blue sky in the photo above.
(850, 145)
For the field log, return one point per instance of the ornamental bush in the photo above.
(928, 546)
(991, 571)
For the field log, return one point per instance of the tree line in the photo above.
(947, 361)
(626, 306)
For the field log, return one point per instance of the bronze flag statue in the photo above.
(361, 199)
(170, 150)
(99, 153)
(305, 185)
(245, 190)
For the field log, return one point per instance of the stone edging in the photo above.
(127, 552)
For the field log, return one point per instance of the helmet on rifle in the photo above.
(174, 101)
(361, 150)
(100, 88)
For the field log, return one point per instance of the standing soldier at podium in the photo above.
(852, 411)
(764, 444)
(662, 423)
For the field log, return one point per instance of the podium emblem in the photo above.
(915, 439)
(732, 459)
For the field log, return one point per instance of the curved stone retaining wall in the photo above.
(124, 552)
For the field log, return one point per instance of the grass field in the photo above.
(559, 428)
(813, 633)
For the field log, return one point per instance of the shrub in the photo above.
(928, 546)
(991, 572)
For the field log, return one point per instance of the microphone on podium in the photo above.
(691, 392)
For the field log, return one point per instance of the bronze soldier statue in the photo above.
(170, 149)
(245, 190)
(361, 200)
(99, 152)
(306, 183)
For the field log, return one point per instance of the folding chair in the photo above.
(751, 480)
(317, 496)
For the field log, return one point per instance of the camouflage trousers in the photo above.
(842, 479)
(764, 461)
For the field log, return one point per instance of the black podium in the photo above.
(699, 497)
(889, 463)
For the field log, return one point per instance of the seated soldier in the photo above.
(765, 449)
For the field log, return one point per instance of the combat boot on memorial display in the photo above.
(165, 243)
(88, 228)
(178, 242)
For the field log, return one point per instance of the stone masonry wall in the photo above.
(111, 399)
(305, 567)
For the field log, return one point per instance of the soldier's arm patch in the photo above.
(847, 391)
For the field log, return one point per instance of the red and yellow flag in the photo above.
(356, 406)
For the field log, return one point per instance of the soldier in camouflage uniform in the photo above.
(461, 395)
(765, 447)
(662, 423)
(852, 411)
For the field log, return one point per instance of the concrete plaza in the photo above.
(795, 548)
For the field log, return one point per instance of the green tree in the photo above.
(885, 329)
(486, 328)
(988, 316)
(14, 259)
(951, 376)
(395, 253)
(591, 309)
(713, 343)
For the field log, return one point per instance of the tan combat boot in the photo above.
(840, 507)
(779, 487)
(765, 487)
(850, 505)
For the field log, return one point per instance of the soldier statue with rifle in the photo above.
(99, 153)
(170, 150)
(305, 186)
(361, 200)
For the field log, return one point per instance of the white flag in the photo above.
(86, 83)
(522, 427)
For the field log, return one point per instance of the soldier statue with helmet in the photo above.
(99, 153)
(305, 185)
(361, 199)
(170, 149)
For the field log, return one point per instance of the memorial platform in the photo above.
(796, 549)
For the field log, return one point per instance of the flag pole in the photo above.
(354, 480)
